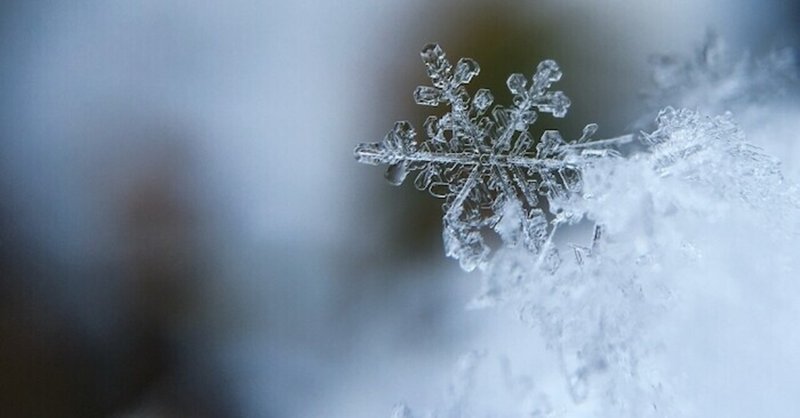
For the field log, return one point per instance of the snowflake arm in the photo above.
(480, 162)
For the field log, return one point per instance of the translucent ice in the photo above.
(481, 163)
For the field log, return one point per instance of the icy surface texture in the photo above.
(665, 214)
(711, 153)
(696, 223)
(485, 164)
(762, 91)
(715, 79)
(478, 377)
(663, 217)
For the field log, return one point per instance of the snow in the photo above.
(689, 270)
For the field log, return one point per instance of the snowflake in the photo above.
(485, 163)
(692, 199)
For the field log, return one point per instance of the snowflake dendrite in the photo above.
(484, 162)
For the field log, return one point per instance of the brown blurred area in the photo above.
(148, 289)
(158, 256)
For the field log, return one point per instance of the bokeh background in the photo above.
(184, 231)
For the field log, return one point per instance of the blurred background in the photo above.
(184, 231)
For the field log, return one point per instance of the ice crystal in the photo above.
(597, 313)
(665, 216)
(485, 163)
(712, 152)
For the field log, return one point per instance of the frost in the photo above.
(486, 165)
(713, 154)
(599, 312)
(646, 220)
(476, 374)
(716, 80)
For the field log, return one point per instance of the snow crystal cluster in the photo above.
(600, 303)
(484, 162)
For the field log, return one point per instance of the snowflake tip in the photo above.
(431, 53)
(548, 71)
(396, 146)
(435, 61)
(466, 70)
(516, 83)
(588, 132)
(369, 153)
(558, 106)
